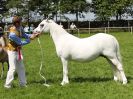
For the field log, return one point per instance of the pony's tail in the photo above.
(118, 52)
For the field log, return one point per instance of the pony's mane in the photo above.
(58, 26)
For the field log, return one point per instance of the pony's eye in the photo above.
(41, 25)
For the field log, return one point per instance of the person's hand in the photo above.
(34, 35)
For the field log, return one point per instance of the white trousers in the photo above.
(15, 64)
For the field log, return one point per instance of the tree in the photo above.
(3, 9)
(14, 6)
(76, 7)
(130, 10)
(45, 7)
(22, 8)
(120, 7)
(104, 9)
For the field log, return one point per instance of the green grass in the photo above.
(93, 80)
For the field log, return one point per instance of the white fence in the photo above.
(102, 29)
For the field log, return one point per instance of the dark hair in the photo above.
(16, 19)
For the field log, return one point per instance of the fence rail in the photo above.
(103, 29)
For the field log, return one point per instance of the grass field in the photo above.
(93, 80)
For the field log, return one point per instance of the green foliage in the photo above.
(120, 7)
(104, 9)
(3, 8)
(73, 6)
(92, 80)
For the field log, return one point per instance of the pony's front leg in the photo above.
(65, 72)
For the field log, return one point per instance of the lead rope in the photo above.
(45, 84)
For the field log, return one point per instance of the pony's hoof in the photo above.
(64, 83)
(115, 79)
(124, 82)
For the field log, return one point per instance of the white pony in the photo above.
(69, 47)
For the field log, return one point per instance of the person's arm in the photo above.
(25, 35)
(17, 40)
(29, 36)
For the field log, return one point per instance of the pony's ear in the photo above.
(47, 20)
(49, 17)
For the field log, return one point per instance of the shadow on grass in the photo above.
(42, 81)
(76, 80)
(129, 79)
(97, 79)
(91, 79)
(81, 80)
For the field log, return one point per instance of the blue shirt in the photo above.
(19, 41)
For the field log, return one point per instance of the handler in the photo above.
(16, 33)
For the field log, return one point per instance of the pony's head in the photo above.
(44, 26)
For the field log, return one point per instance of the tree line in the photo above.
(103, 9)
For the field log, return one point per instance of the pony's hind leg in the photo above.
(65, 72)
(115, 71)
(120, 72)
